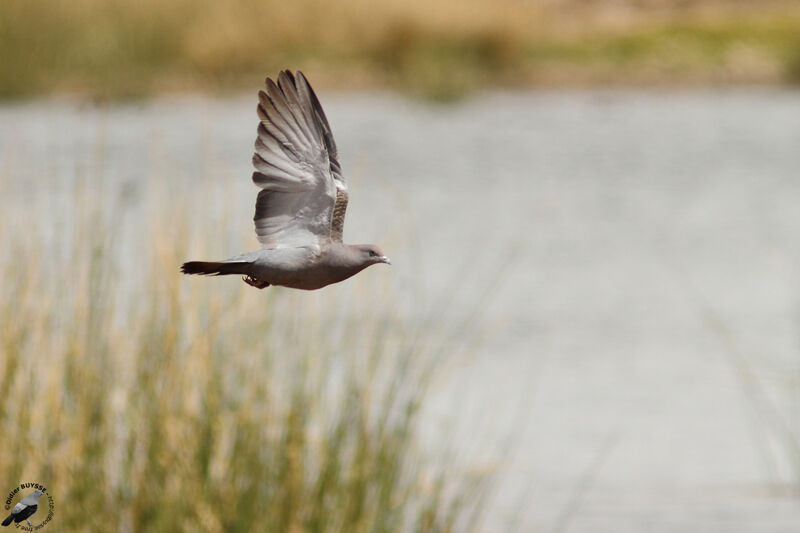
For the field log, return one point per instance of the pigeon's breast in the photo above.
(300, 268)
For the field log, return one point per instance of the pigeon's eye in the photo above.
(373, 253)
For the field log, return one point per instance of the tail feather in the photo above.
(215, 268)
(8, 520)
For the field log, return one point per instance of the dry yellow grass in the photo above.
(146, 401)
(126, 48)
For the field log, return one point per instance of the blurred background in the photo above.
(591, 322)
(126, 49)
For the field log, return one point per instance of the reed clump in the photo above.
(149, 402)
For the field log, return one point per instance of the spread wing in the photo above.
(303, 194)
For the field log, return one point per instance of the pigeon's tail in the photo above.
(8, 520)
(214, 268)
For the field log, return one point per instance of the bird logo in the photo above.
(24, 509)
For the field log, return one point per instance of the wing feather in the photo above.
(275, 177)
(277, 126)
(307, 95)
(268, 147)
(339, 211)
(280, 113)
(303, 193)
(287, 84)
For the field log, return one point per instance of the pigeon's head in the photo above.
(371, 254)
(36, 493)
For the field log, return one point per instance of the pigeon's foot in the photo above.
(253, 282)
(29, 524)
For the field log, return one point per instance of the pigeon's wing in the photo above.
(296, 168)
(340, 204)
(339, 210)
(18, 508)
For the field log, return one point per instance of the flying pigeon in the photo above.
(301, 205)
(24, 509)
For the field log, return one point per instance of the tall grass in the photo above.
(130, 48)
(145, 401)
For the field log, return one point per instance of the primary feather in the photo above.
(303, 194)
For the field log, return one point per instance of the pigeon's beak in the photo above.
(384, 259)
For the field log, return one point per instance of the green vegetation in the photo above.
(146, 401)
(127, 48)
(734, 49)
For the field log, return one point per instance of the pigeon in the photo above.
(300, 209)
(24, 509)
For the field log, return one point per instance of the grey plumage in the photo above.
(300, 209)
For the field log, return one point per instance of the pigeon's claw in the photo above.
(254, 282)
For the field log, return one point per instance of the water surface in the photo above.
(636, 256)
